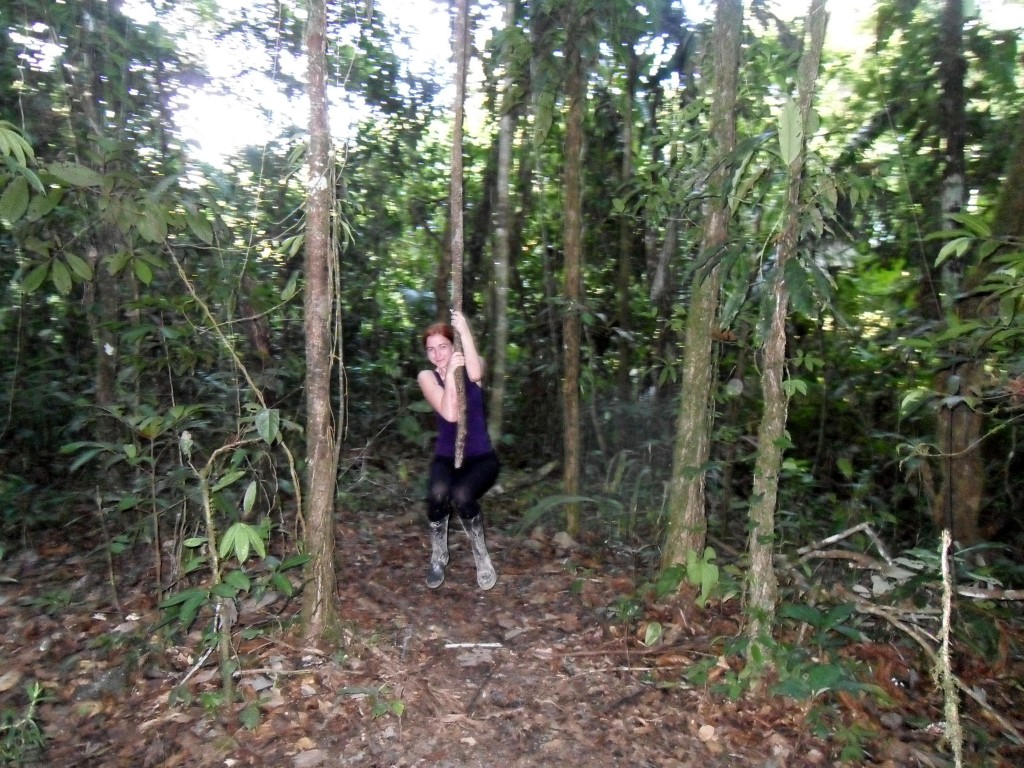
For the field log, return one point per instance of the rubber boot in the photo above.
(485, 573)
(438, 552)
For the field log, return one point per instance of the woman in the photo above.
(449, 486)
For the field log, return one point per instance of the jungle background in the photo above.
(751, 302)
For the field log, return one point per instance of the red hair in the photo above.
(439, 329)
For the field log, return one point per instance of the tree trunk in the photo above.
(958, 424)
(319, 613)
(502, 248)
(687, 516)
(576, 93)
(455, 214)
(762, 584)
(624, 281)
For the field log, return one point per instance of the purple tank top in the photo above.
(478, 441)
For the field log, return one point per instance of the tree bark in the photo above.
(958, 425)
(687, 515)
(624, 281)
(502, 247)
(319, 613)
(455, 214)
(576, 93)
(762, 584)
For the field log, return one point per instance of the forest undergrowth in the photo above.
(579, 656)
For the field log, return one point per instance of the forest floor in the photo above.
(548, 668)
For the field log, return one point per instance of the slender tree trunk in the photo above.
(319, 613)
(958, 426)
(576, 94)
(687, 516)
(762, 584)
(455, 213)
(624, 281)
(502, 248)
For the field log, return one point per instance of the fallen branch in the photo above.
(888, 565)
(472, 645)
(864, 527)
(693, 644)
(925, 640)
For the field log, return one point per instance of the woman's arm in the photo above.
(444, 399)
(474, 363)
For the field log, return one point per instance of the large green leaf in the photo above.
(61, 277)
(268, 424)
(14, 200)
(76, 175)
(13, 143)
(79, 266)
(35, 277)
(791, 133)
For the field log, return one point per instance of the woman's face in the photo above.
(439, 350)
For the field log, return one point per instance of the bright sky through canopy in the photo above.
(220, 123)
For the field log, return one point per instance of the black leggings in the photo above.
(459, 488)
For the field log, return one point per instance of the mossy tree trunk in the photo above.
(762, 584)
(687, 515)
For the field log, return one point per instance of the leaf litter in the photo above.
(537, 671)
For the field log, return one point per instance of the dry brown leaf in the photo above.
(9, 679)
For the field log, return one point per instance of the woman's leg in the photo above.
(471, 481)
(439, 487)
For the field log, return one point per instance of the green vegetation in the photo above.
(152, 381)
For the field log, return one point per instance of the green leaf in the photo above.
(973, 223)
(238, 580)
(13, 143)
(14, 200)
(42, 204)
(256, 539)
(201, 228)
(36, 277)
(240, 538)
(281, 584)
(954, 248)
(293, 561)
(804, 612)
(60, 275)
(152, 226)
(653, 633)
(268, 424)
(227, 542)
(143, 271)
(791, 134)
(177, 599)
(793, 387)
(224, 590)
(227, 480)
(1007, 308)
(76, 175)
(291, 287)
(250, 717)
(702, 572)
(799, 287)
(116, 262)
(913, 400)
(250, 497)
(79, 266)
